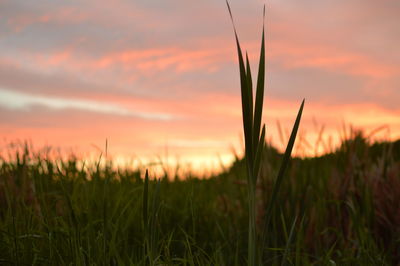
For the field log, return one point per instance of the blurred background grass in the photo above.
(67, 212)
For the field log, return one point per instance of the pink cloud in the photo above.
(330, 59)
(219, 123)
(173, 59)
(65, 15)
(145, 60)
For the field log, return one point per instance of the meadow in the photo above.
(340, 208)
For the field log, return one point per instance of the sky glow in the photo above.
(157, 76)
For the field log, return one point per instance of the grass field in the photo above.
(339, 208)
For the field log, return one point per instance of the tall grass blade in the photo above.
(105, 223)
(284, 164)
(145, 200)
(246, 100)
(150, 219)
(258, 108)
(145, 216)
(260, 149)
(153, 220)
(252, 116)
(249, 88)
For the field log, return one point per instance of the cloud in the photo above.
(141, 72)
(19, 101)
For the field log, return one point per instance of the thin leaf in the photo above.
(145, 201)
(153, 219)
(246, 104)
(288, 243)
(285, 162)
(258, 156)
(258, 108)
(249, 90)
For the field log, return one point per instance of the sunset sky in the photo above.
(161, 77)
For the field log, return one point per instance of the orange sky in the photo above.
(158, 78)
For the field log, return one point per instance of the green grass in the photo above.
(338, 209)
(341, 207)
(254, 138)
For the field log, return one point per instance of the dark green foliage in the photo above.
(346, 204)
(255, 141)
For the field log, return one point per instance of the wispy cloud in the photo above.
(143, 71)
(20, 101)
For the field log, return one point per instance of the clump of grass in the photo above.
(344, 204)
(254, 138)
(150, 220)
(65, 212)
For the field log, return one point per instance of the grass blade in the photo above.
(288, 243)
(258, 108)
(145, 200)
(249, 89)
(146, 251)
(246, 101)
(153, 221)
(284, 164)
(246, 107)
(257, 160)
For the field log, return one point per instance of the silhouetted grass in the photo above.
(254, 138)
(341, 207)
(338, 209)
